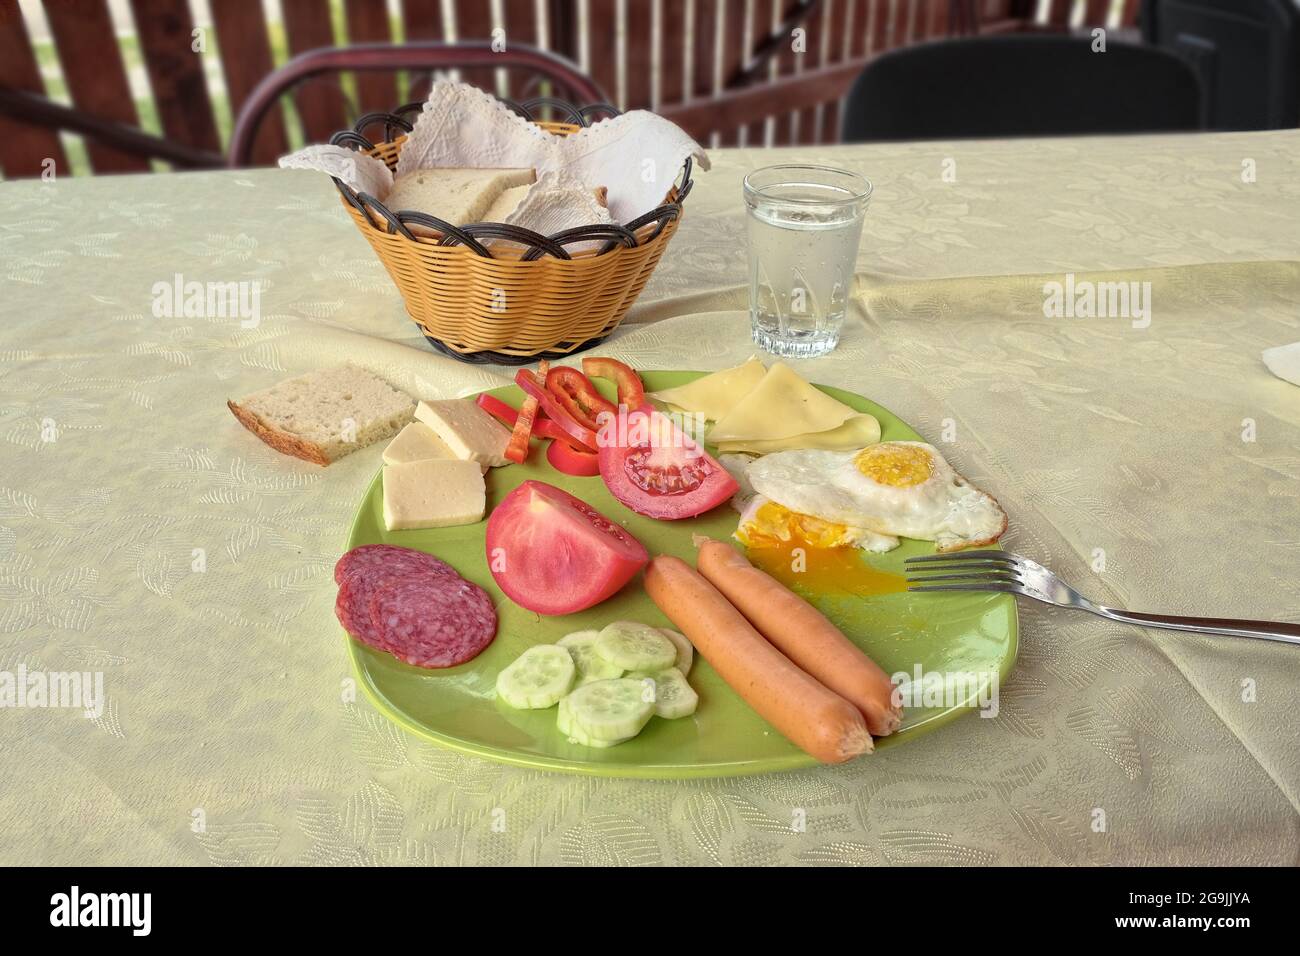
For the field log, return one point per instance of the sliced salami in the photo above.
(388, 559)
(433, 621)
(352, 606)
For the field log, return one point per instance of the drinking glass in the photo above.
(804, 224)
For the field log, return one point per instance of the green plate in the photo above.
(457, 707)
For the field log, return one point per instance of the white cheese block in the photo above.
(457, 196)
(434, 493)
(471, 433)
(416, 442)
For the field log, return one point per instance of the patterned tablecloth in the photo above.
(145, 536)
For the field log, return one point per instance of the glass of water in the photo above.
(804, 226)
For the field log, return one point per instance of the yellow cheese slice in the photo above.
(857, 432)
(782, 405)
(713, 396)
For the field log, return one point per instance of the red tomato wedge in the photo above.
(555, 554)
(517, 449)
(630, 390)
(542, 427)
(534, 388)
(572, 461)
(656, 470)
(579, 397)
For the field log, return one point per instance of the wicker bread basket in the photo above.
(521, 300)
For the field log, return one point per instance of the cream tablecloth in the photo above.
(229, 736)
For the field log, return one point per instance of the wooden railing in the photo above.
(757, 72)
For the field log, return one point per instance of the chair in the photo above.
(389, 59)
(1038, 85)
(1247, 53)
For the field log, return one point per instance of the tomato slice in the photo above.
(657, 470)
(579, 397)
(630, 390)
(534, 388)
(554, 554)
(517, 449)
(572, 461)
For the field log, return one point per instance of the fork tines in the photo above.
(966, 570)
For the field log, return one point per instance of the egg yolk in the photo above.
(774, 524)
(897, 466)
(808, 553)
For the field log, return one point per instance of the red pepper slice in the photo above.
(569, 460)
(534, 388)
(578, 396)
(630, 390)
(498, 409)
(542, 427)
(517, 450)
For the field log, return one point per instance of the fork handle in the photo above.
(1228, 627)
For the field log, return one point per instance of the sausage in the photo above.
(803, 634)
(815, 719)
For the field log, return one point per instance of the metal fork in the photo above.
(1012, 574)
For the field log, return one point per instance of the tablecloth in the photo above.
(145, 536)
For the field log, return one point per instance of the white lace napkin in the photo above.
(1284, 362)
(558, 200)
(363, 173)
(636, 157)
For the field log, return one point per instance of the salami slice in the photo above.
(352, 606)
(388, 559)
(433, 621)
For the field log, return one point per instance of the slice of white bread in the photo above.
(457, 196)
(322, 416)
(505, 204)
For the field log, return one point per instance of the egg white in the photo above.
(944, 508)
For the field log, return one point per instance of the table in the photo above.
(145, 535)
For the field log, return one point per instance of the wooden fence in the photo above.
(766, 72)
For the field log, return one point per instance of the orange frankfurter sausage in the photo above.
(811, 717)
(803, 634)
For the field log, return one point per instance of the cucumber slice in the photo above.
(539, 677)
(591, 666)
(673, 696)
(635, 647)
(685, 649)
(564, 721)
(610, 709)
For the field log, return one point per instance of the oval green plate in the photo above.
(457, 707)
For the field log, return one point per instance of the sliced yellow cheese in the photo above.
(782, 405)
(416, 442)
(857, 432)
(435, 493)
(714, 395)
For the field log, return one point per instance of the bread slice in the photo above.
(505, 203)
(457, 196)
(322, 416)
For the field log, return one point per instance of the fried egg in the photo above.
(900, 488)
(766, 524)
